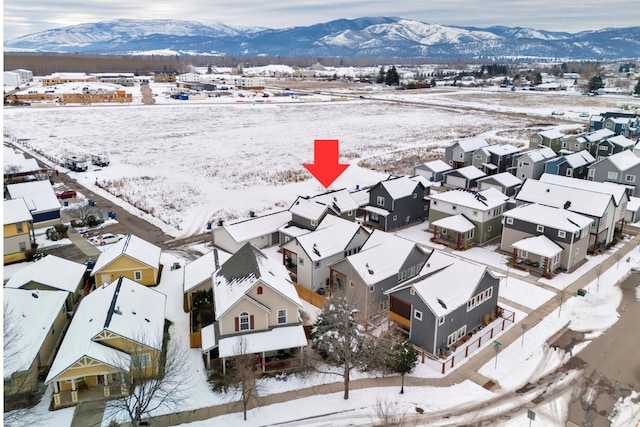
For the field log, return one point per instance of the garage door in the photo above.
(456, 181)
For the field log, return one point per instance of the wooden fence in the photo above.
(309, 296)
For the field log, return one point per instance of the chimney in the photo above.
(215, 258)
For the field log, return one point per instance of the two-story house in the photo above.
(460, 153)
(463, 217)
(545, 238)
(384, 261)
(612, 145)
(18, 233)
(131, 257)
(551, 138)
(573, 165)
(595, 138)
(604, 203)
(494, 159)
(504, 182)
(307, 257)
(396, 202)
(257, 310)
(621, 168)
(465, 177)
(530, 164)
(450, 298)
(433, 170)
(40, 199)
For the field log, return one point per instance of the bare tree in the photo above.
(241, 376)
(153, 379)
(84, 213)
(340, 339)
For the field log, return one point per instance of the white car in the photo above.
(105, 239)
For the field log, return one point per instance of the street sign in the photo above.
(531, 415)
(497, 343)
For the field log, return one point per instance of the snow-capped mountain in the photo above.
(362, 37)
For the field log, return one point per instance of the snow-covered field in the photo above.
(183, 164)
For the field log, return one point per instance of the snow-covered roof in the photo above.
(257, 342)
(483, 200)
(403, 186)
(622, 141)
(331, 237)
(38, 195)
(501, 150)
(634, 204)
(376, 210)
(539, 245)
(458, 223)
(133, 247)
(247, 229)
(340, 200)
(122, 307)
(51, 271)
(242, 271)
(31, 313)
(308, 208)
(468, 172)
(623, 160)
(471, 144)
(381, 256)
(549, 216)
(598, 135)
(540, 154)
(293, 230)
(20, 165)
(576, 160)
(448, 279)
(617, 191)
(199, 271)
(580, 200)
(505, 179)
(15, 211)
(437, 166)
(361, 197)
(551, 134)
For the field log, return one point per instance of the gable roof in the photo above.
(599, 134)
(551, 134)
(38, 195)
(436, 166)
(468, 172)
(621, 141)
(446, 278)
(617, 191)
(539, 245)
(501, 149)
(20, 165)
(200, 270)
(458, 223)
(540, 154)
(133, 247)
(402, 186)
(15, 211)
(308, 208)
(505, 179)
(242, 271)
(381, 256)
(471, 144)
(123, 307)
(32, 314)
(483, 200)
(51, 271)
(575, 160)
(247, 229)
(339, 200)
(331, 237)
(622, 161)
(558, 218)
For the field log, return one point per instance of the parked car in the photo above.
(67, 194)
(105, 239)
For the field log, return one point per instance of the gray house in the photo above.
(504, 182)
(460, 153)
(595, 138)
(549, 138)
(450, 298)
(530, 164)
(621, 168)
(544, 238)
(396, 202)
(494, 159)
(465, 177)
(385, 261)
(433, 171)
(572, 165)
(612, 145)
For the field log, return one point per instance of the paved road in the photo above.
(613, 363)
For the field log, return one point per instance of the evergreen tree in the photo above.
(637, 89)
(381, 75)
(595, 83)
(338, 337)
(392, 76)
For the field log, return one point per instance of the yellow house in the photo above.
(133, 258)
(19, 236)
(117, 329)
(257, 310)
(34, 325)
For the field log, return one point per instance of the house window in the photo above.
(370, 287)
(612, 175)
(443, 231)
(20, 230)
(415, 195)
(426, 207)
(380, 201)
(569, 172)
(352, 284)
(441, 320)
(417, 314)
(489, 292)
(461, 332)
(373, 216)
(317, 264)
(630, 178)
(314, 223)
(259, 290)
(141, 360)
(562, 233)
(592, 173)
(489, 229)
(137, 275)
(523, 254)
(350, 213)
(244, 321)
(478, 156)
(300, 261)
(556, 259)
(412, 291)
(451, 339)
(435, 202)
(282, 316)
(22, 246)
(509, 220)
(395, 217)
(470, 234)
(540, 228)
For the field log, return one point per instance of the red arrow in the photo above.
(325, 168)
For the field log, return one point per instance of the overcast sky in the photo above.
(22, 17)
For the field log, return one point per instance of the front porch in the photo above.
(81, 392)
(454, 231)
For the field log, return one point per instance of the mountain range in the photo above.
(376, 37)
